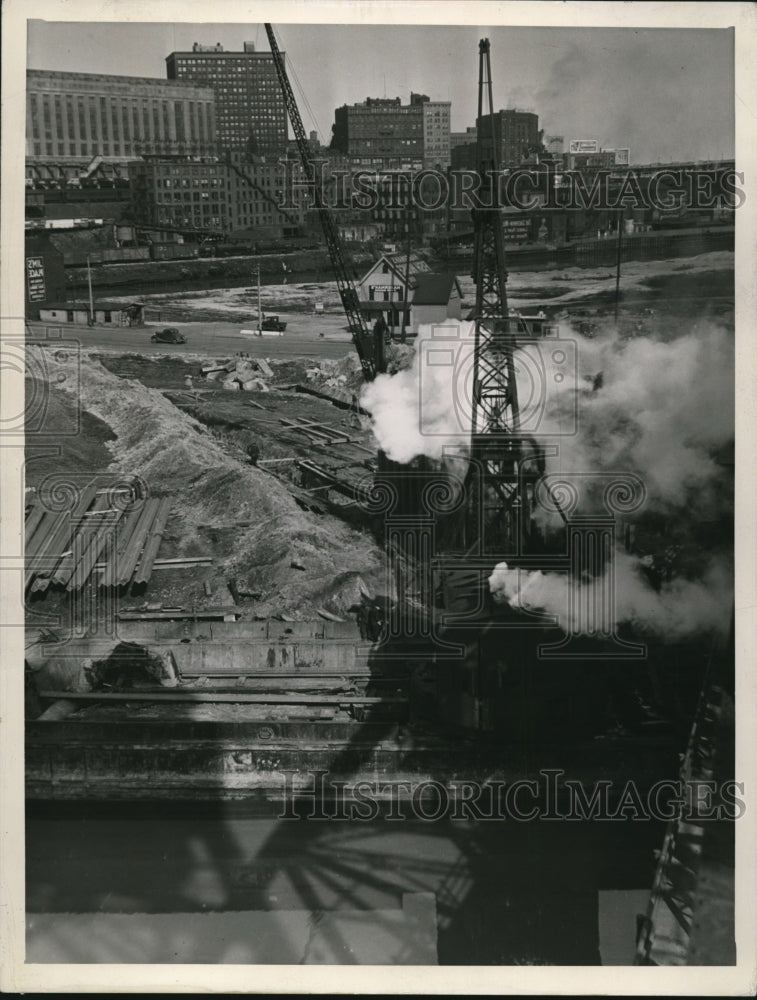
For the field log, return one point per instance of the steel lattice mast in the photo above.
(495, 421)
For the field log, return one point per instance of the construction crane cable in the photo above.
(302, 94)
(342, 273)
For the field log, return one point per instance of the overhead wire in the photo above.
(301, 93)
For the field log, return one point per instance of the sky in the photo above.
(667, 93)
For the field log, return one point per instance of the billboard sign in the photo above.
(35, 279)
(584, 146)
(622, 157)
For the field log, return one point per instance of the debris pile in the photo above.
(243, 372)
(344, 373)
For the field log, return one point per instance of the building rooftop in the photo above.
(99, 304)
(434, 289)
(42, 75)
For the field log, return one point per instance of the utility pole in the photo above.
(617, 265)
(260, 312)
(406, 310)
(91, 299)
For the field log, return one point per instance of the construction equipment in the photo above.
(496, 448)
(362, 336)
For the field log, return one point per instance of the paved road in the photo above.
(202, 338)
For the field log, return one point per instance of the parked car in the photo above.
(168, 336)
(274, 323)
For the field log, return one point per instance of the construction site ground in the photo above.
(137, 418)
(283, 551)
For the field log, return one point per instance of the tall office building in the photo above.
(250, 110)
(515, 134)
(436, 134)
(77, 116)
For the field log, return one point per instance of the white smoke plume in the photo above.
(680, 608)
(662, 408)
(425, 408)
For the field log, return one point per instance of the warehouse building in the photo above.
(180, 193)
(221, 195)
(74, 117)
(103, 313)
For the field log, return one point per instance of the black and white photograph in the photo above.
(378, 544)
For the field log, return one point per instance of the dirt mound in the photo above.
(61, 438)
(287, 556)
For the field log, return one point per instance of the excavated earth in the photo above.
(281, 558)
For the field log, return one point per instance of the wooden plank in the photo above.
(144, 572)
(137, 541)
(189, 561)
(198, 614)
(334, 433)
(209, 696)
(309, 431)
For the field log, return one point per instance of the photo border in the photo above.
(15, 975)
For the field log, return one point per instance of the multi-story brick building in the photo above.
(218, 195)
(462, 138)
(73, 117)
(266, 195)
(250, 109)
(381, 132)
(436, 134)
(515, 134)
(180, 193)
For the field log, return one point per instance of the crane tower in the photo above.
(496, 510)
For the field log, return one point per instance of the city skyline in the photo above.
(668, 94)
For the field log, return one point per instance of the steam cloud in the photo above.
(662, 409)
(680, 608)
(422, 410)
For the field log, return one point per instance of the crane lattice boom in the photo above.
(350, 302)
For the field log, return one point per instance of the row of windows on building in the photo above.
(224, 66)
(185, 182)
(90, 149)
(112, 126)
(180, 216)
